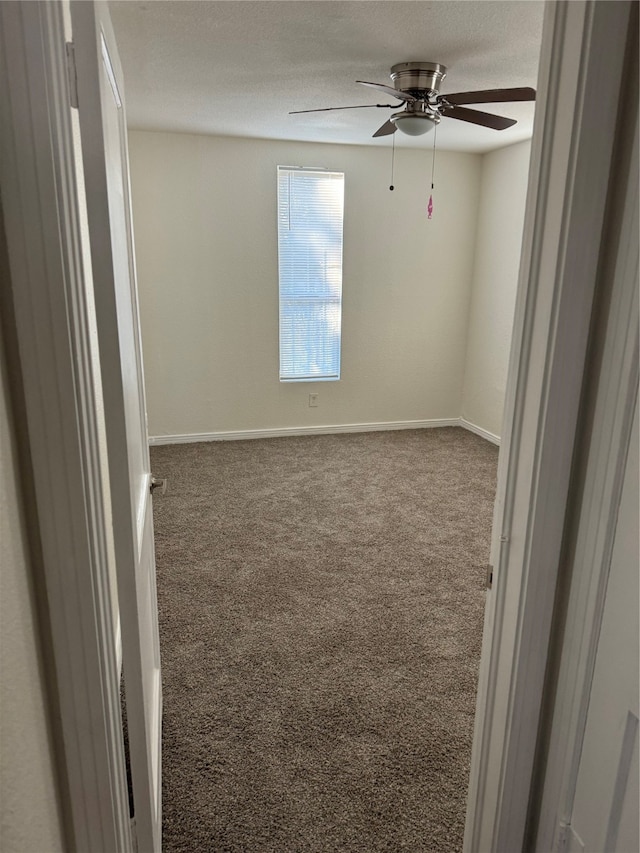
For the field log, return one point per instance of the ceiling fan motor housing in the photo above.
(418, 78)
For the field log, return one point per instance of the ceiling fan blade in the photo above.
(388, 90)
(387, 128)
(477, 117)
(358, 107)
(490, 96)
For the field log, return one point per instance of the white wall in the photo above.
(29, 817)
(495, 279)
(206, 245)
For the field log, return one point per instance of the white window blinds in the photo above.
(310, 216)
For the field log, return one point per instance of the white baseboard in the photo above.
(483, 433)
(312, 430)
(241, 435)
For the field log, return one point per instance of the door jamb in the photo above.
(610, 412)
(51, 293)
(581, 64)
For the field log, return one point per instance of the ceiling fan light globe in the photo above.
(413, 125)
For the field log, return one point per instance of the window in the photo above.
(310, 214)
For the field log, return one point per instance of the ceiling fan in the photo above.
(418, 85)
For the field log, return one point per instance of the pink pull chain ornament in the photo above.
(430, 207)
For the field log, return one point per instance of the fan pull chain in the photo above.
(393, 157)
(433, 169)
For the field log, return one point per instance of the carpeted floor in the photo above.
(321, 603)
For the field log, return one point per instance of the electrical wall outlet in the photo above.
(313, 400)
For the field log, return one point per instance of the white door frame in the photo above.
(57, 352)
(570, 167)
(609, 411)
(581, 65)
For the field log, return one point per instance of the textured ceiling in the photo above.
(236, 67)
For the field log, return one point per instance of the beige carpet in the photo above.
(321, 603)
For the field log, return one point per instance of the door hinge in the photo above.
(489, 578)
(158, 483)
(72, 76)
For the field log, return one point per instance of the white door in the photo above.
(605, 806)
(106, 170)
